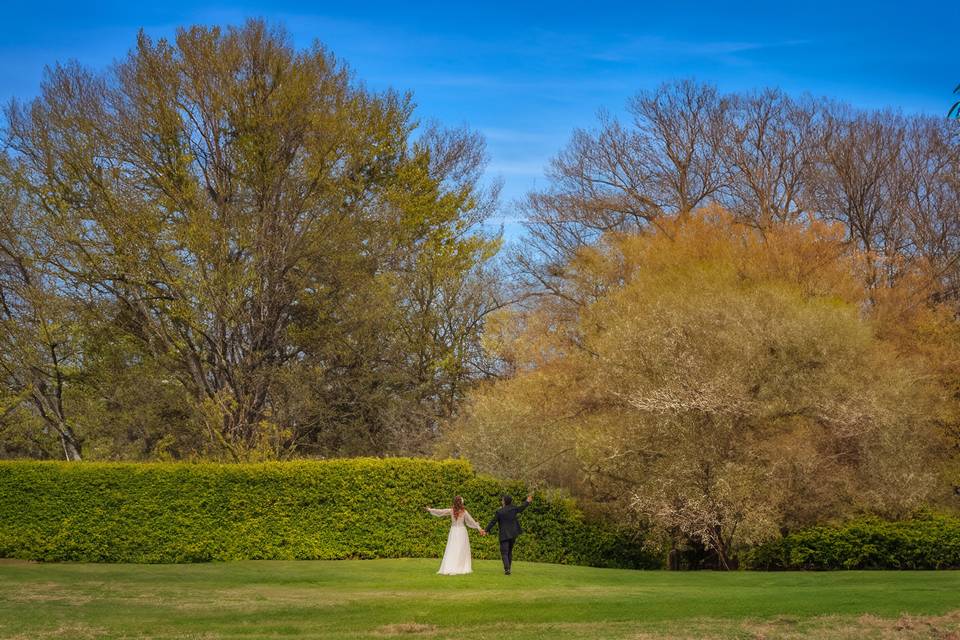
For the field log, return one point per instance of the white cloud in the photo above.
(657, 45)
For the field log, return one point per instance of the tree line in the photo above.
(891, 180)
(741, 320)
(730, 316)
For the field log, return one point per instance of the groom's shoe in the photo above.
(506, 572)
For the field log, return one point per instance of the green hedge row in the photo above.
(927, 541)
(356, 508)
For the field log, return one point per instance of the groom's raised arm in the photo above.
(525, 504)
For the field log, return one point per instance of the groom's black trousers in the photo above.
(506, 552)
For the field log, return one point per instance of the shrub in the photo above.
(356, 508)
(928, 541)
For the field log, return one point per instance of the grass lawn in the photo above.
(405, 598)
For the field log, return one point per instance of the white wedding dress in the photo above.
(456, 557)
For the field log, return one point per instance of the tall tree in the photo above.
(625, 176)
(889, 178)
(242, 206)
(770, 144)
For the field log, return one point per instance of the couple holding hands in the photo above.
(456, 556)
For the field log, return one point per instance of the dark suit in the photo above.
(506, 519)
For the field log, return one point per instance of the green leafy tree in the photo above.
(248, 213)
(39, 335)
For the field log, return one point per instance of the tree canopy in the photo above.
(712, 382)
(286, 246)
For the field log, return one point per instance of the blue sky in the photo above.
(526, 73)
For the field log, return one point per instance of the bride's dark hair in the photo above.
(457, 507)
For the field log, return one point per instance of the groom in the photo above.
(506, 517)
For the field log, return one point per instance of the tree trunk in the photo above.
(71, 447)
(673, 559)
(721, 548)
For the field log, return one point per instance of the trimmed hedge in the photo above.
(351, 508)
(927, 541)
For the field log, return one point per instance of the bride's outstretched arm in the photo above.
(469, 521)
(439, 512)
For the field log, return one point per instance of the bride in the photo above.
(456, 557)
